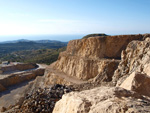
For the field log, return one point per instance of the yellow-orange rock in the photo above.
(103, 100)
(136, 58)
(84, 68)
(101, 46)
(87, 58)
(137, 82)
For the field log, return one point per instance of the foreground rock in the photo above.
(103, 100)
(137, 82)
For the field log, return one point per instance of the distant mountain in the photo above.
(47, 41)
(23, 44)
(36, 41)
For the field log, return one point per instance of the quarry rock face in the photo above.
(103, 100)
(93, 57)
(84, 68)
(101, 47)
(136, 58)
(137, 82)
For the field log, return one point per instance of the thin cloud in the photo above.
(58, 21)
(19, 14)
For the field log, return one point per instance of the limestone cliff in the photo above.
(136, 58)
(84, 68)
(101, 46)
(88, 58)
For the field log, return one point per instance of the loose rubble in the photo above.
(42, 100)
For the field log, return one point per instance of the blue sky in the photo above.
(57, 17)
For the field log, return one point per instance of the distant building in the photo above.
(6, 62)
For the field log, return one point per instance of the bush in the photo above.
(93, 35)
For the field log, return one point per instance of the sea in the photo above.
(63, 38)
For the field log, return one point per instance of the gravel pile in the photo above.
(42, 100)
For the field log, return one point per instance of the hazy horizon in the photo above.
(68, 17)
(63, 38)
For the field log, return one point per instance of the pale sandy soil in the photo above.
(14, 94)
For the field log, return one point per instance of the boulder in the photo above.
(137, 82)
(103, 100)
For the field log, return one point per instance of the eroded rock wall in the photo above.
(101, 47)
(136, 58)
(87, 58)
(84, 68)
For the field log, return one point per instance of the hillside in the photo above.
(36, 41)
(45, 56)
(41, 51)
(11, 47)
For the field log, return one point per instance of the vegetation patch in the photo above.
(93, 35)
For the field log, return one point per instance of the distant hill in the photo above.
(93, 35)
(46, 56)
(23, 45)
(37, 41)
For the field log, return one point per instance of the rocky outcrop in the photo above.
(92, 58)
(132, 75)
(103, 100)
(137, 82)
(136, 58)
(101, 46)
